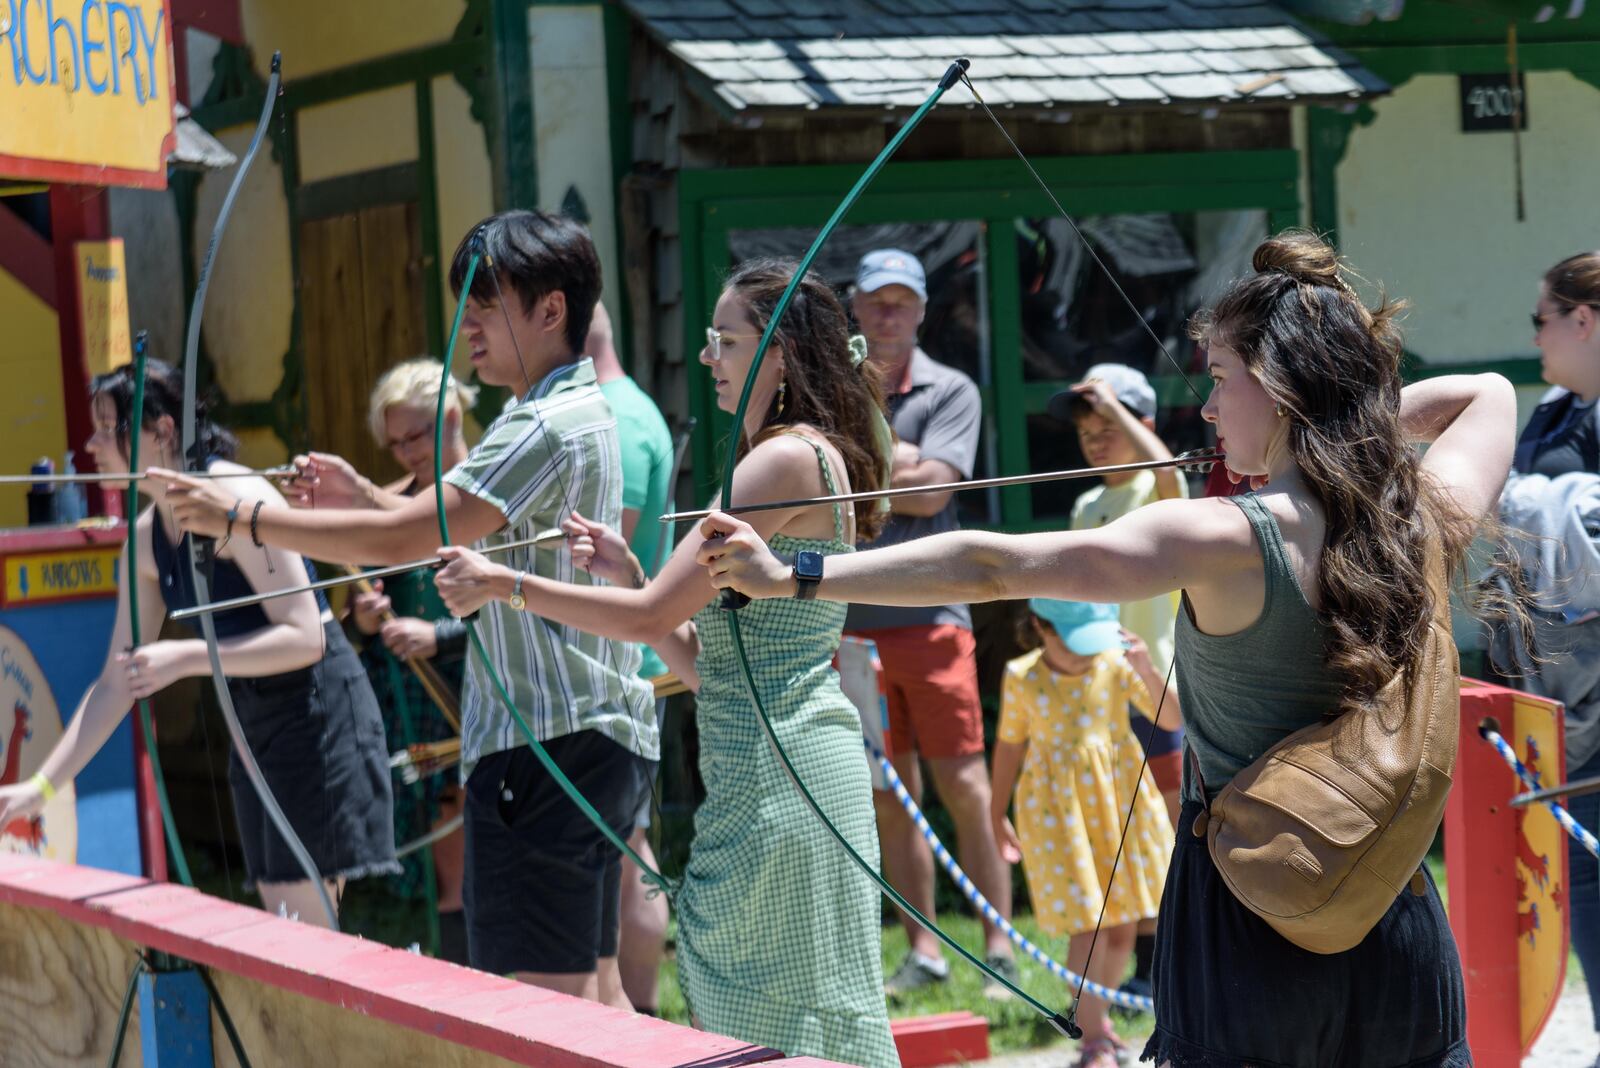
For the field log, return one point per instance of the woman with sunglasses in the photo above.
(1563, 434)
(1563, 439)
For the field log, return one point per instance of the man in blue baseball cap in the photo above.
(930, 668)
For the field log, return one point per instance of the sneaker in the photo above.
(1005, 966)
(916, 972)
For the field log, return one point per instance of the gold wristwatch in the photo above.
(518, 601)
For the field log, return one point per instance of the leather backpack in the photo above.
(1322, 833)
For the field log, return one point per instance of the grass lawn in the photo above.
(1013, 1026)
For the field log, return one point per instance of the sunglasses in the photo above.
(1539, 320)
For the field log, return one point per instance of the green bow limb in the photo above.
(733, 601)
(651, 875)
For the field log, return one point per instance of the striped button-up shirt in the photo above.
(548, 454)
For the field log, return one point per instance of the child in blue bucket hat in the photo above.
(1066, 750)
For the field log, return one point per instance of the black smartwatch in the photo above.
(807, 574)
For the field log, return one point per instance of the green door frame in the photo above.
(995, 193)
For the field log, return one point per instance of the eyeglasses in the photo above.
(715, 338)
(403, 443)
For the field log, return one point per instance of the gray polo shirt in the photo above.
(941, 415)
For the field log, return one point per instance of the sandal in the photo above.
(1098, 1053)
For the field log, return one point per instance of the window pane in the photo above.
(955, 329)
(1170, 265)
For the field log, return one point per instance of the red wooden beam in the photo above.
(945, 1038)
(27, 257)
(521, 1023)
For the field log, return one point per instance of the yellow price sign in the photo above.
(103, 304)
(68, 575)
(86, 90)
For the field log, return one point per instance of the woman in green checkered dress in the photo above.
(778, 931)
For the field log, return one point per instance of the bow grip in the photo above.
(732, 601)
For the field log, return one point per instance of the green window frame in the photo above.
(995, 192)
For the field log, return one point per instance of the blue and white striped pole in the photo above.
(1531, 781)
(981, 903)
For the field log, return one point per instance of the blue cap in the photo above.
(1085, 627)
(891, 267)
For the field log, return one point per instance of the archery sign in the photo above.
(86, 89)
(103, 305)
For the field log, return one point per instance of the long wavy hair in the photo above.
(825, 389)
(1333, 365)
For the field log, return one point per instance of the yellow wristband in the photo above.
(42, 784)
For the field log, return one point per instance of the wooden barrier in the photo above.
(69, 938)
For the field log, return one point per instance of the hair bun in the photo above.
(1303, 256)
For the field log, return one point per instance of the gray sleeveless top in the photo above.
(1242, 693)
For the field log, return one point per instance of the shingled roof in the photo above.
(1028, 54)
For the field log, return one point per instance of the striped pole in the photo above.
(1531, 781)
(981, 903)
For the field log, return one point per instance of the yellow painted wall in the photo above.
(1430, 211)
(358, 133)
(465, 181)
(317, 36)
(32, 414)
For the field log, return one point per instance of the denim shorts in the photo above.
(318, 738)
(542, 883)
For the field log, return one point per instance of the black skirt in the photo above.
(318, 737)
(1232, 992)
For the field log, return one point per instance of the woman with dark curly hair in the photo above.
(777, 930)
(1300, 600)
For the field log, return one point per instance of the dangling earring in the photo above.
(783, 389)
(1278, 411)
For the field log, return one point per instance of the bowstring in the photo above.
(474, 639)
(1143, 322)
(566, 497)
(1087, 244)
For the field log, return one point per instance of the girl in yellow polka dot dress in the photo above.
(1064, 730)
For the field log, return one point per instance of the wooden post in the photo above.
(175, 1020)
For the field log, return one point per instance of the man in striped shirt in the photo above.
(542, 882)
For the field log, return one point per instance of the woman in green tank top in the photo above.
(1298, 601)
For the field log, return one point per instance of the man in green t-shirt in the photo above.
(646, 445)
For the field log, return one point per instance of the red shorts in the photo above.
(931, 676)
(1167, 771)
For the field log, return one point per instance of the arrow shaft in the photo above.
(286, 472)
(360, 576)
(948, 487)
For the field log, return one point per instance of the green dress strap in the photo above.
(827, 480)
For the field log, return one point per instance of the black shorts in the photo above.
(542, 882)
(317, 736)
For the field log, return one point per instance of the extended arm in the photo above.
(346, 536)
